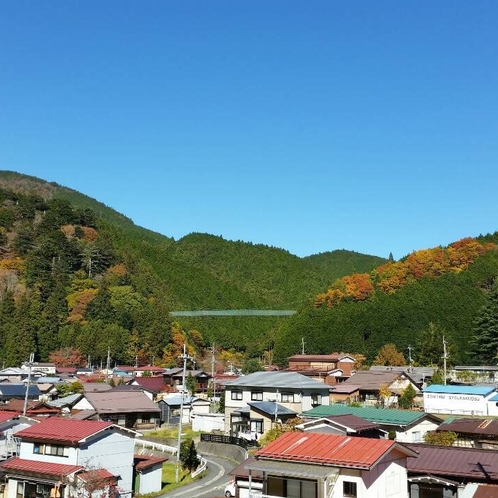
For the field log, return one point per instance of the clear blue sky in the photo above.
(310, 126)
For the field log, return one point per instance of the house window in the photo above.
(55, 449)
(50, 449)
(257, 396)
(316, 399)
(287, 398)
(349, 488)
(257, 426)
(145, 419)
(237, 395)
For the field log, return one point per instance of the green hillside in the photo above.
(75, 272)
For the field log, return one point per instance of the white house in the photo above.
(461, 400)
(59, 457)
(312, 465)
(289, 390)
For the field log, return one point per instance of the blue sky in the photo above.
(310, 126)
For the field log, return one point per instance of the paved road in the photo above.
(210, 486)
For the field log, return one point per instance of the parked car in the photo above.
(243, 487)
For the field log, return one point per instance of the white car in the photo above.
(243, 487)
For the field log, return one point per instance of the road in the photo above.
(210, 486)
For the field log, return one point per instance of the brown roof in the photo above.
(353, 422)
(473, 426)
(142, 462)
(344, 388)
(369, 380)
(486, 491)
(454, 462)
(242, 471)
(318, 357)
(121, 402)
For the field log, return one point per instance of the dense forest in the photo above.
(74, 273)
(76, 276)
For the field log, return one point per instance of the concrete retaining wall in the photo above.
(228, 451)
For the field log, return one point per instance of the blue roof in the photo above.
(476, 390)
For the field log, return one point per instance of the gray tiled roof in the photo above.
(279, 380)
(121, 402)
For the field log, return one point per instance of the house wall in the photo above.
(115, 453)
(204, 422)
(416, 433)
(150, 480)
(387, 479)
(27, 452)
(460, 404)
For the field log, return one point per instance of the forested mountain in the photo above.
(438, 293)
(75, 273)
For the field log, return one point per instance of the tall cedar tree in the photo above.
(484, 343)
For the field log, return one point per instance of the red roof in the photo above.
(330, 449)
(63, 430)
(17, 464)
(7, 415)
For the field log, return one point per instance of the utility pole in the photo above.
(184, 357)
(445, 355)
(212, 371)
(30, 364)
(410, 355)
(302, 345)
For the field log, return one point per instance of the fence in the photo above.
(220, 438)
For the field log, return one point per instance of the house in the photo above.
(239, 485)
(258, 417)
(10, 424)
(313, 465)
(344, 391)
(420, 375)
(291, 390)
(406, 426)
(130, 409)
(148, 473)
(170, 405)
(474, 373)
(10, 391)
(472, 432)
(61, 457)
(37, 368)
(371, 383)
(14, 374)
(461, 400)
(154, 385)
(174, 377)
(447, 471)
(327, 368)
(31, 408)
(345, 425)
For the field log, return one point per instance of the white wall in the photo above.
(151, 481)
(208, 422)
(459, 404)
(114, 453)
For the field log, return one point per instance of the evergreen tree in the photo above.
(484, 343)
(188, 455)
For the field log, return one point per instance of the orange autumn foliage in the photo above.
(391, 276)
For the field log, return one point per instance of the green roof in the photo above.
(386, 416)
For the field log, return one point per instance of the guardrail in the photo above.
(201, 468)
(154, 446)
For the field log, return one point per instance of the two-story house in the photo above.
(291, 391)
(61, 457)
(312, 465)
(328, 368)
